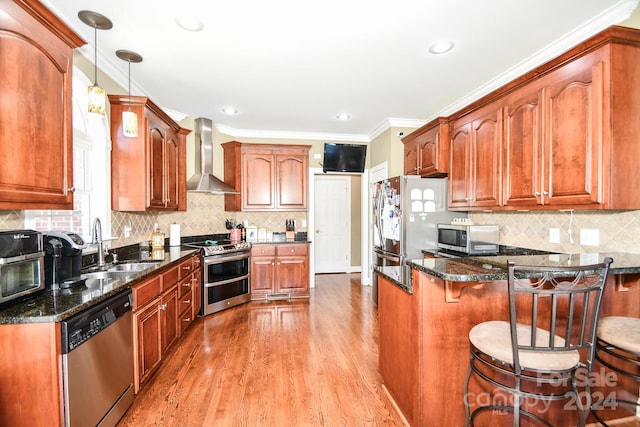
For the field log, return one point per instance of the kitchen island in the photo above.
(427, 308)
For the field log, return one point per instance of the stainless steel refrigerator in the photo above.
(406, 211)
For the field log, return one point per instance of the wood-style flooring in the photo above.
(284, 363)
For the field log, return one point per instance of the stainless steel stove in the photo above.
(225, 274)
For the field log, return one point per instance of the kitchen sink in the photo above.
(130, 267)
(104, 275)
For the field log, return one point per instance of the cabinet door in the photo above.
(460, 167)
(171, 170)
(262, 274)
(156, 191)
(486, 161)
(573, 124)
(411, 158)
(169, 311)
(148, 342)
(522, 180)
(258, 181)
(291, 179)
(35, 118)
(292, 274)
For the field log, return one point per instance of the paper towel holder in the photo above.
(174, 234)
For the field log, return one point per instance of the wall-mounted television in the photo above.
(344, 157)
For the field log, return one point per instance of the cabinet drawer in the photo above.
(263, 250)
(185, 268)
(185, 319)
(185, 285)
(146, 291)
(184, 306)
(292, 249)
(170, 277)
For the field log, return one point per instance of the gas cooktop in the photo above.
(216, 247)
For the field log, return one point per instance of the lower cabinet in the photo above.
(163, 307)
(279, 270)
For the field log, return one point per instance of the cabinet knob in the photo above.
(163, 306)
(71, 189)
(545, 193)
(537, 194)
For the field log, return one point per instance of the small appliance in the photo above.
(63, 259)
(21, 263)
(478, 239)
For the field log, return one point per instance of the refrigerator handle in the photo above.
(379, 195)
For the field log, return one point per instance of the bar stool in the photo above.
(547, 343)
(618, 348)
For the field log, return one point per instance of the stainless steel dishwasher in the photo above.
(97, 362)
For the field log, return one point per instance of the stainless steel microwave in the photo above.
(469, 239)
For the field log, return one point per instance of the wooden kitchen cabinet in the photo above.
(268, 177)
(35, 121)
(148, 172)
(426, 150)
(475, 160)
(279, 269)
(161, 303)
(553, 138)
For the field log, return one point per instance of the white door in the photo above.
(332, 213)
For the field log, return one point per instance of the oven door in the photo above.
(225, 282)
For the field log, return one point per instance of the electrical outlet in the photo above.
(589, 237)
(554, 235)
(304, 223)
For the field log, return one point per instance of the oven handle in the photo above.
(224, 282)
(218, 260)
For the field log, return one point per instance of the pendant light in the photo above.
(129, 118)
(98, 21)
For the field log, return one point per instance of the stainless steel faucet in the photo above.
(97, 240)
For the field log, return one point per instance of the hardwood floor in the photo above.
(298, 363)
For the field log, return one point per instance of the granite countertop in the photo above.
(55, 305)
(482, 268)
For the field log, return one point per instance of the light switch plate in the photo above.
(589, 237)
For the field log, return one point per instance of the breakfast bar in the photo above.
(427, 308)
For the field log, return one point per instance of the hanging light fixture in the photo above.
(129, 118)
(98, 21)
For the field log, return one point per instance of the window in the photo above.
(91, 173)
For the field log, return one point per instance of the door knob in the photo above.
(317, 230)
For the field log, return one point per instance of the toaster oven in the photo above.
(469, 239)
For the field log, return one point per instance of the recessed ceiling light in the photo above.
(343, 117)
(229, 110)
(441, 47)
(189, 23)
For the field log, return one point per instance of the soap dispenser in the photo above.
(157, 238)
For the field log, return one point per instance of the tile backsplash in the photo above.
(619, 231)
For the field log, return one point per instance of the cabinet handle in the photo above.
(187, 284)
(163, 306)
(187, 301)
(186, 319)
(186, 267)
(273, 263)
(537, 194)
(545, 193)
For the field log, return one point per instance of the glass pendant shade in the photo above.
(97, 100)
(130, 124)
(129, 118)
(97, 97)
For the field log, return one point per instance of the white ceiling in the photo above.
(291, 66)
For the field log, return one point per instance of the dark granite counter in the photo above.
(485, 268)
(56, 305)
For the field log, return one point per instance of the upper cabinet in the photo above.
(474, 169)
(148, 172)
(566, 134)
(36, 128)
(426, 150)
(268, 177)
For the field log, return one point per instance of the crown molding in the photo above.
(247, 133)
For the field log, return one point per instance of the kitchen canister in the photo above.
(174, 234)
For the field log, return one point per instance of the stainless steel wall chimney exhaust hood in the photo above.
(203, 180)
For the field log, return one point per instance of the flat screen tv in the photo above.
(344, 157)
